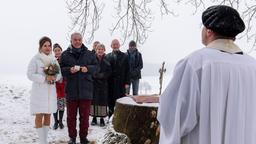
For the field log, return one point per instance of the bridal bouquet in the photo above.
(51, 70)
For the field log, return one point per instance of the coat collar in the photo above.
(225, 45)
(83, 49)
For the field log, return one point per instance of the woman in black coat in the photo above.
(100, 87)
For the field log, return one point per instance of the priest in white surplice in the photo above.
(211, 98)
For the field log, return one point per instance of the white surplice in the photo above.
(211, 98)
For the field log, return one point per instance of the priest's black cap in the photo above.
(223, 20)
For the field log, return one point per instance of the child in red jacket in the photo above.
(60, 87)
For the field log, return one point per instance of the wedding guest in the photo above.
(136, 64)
(94, 46)
(43, 99)
(60, 87)
(100, 87)
(78, 64)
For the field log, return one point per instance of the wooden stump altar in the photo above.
(137, 121)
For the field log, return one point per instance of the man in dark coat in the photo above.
(78, 64)
(136, 64)
(119, 79)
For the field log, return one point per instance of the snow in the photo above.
(16, 123)
(130, 101)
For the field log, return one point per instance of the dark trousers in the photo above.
(83, 107)
(135, 87)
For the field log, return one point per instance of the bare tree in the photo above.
(246, 7)
(134, 17)
(249, 16)
(85, 15)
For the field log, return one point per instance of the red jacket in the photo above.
(60, 88)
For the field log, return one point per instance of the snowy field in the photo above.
(16, 123)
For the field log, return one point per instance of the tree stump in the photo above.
(137, 121)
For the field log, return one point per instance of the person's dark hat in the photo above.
(223, 20)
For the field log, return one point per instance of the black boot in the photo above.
(84, 141)
(102, 122)
(72, 141)
(60, 119)
(94, 121)
(56, 122)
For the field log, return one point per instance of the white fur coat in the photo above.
(43, 95)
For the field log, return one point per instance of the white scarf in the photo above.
(226, 45)
(47, 59)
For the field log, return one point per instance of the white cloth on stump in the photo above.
(43, 95)
(211, 98)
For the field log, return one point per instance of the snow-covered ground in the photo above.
(16, 123)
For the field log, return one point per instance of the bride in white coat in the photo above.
(43, 100)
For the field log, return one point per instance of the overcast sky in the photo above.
(23, 23)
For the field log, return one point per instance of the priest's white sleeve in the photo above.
(177, 111)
